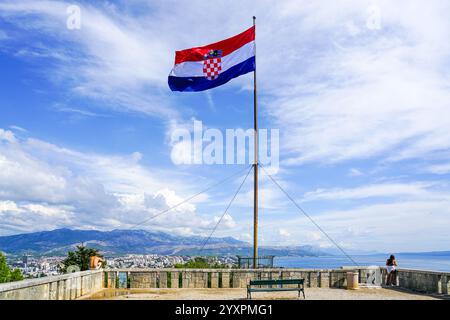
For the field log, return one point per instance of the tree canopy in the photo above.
(79, 260)
(200, 263)
(6, 274)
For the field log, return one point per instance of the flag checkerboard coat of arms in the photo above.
(212, 64)
(206, 67)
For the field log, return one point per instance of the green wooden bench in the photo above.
(278, 286)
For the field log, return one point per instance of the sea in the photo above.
(406, 261)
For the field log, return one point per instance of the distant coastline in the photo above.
(433, 261)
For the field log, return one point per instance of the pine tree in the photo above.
(6, 275)
(79, 259)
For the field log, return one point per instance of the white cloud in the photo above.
(114, 58)
(355, 172)
(227, 222)
(46, 186)
(439, 168)
(392, 190)
(284, 233)
(8, 206)
(339, 91)
(17, 128)
(370, 94)
(386, 227)
(7, 136)
(315, 235)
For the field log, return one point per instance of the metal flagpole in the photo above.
(255, 165)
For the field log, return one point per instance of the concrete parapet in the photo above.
(64, 287)
(73, 286)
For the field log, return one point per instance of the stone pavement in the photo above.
(241, 294)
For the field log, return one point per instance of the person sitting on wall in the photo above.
(96, 263)
(391, 267)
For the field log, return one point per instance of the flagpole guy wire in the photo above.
(227, 208)
(189, 198)
(308, 216)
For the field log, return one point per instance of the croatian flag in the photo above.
(207, 67)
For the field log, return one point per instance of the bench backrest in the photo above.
(276, 282)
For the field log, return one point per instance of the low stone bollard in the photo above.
(352, 281)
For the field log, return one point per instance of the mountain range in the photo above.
(119, 242)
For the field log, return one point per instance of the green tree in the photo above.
(79, 259)
(6, 275)
(5, 271)
(16, 275)
(200, 263)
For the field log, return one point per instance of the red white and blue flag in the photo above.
(207, 67)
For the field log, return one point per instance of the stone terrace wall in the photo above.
(75, 285)
(64, 287)
(416, 280)
(422, 281)
(219, 278)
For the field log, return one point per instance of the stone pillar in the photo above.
(53, 295)
(324, 279)
(66, 290)
(70, 294)
(446, 285)
(264, 275)
(237, 279)
(383, 276)
(276, 275)
(153, 280)
(61, 288)
(73, 288)
(85, 284)
(200, 279)
(79, 285)
(244, 278)
(397, 279)
(163, 279)
(174, 279)
(142, 279)
(214, 279)
(313, 279)
(439, 284)
(186, 277)
(111, 279)
(225, 279)
(253, 275)
(287, 275)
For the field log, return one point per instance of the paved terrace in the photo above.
(223, 284)
(241, 294)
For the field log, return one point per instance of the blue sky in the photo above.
(359, 92)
